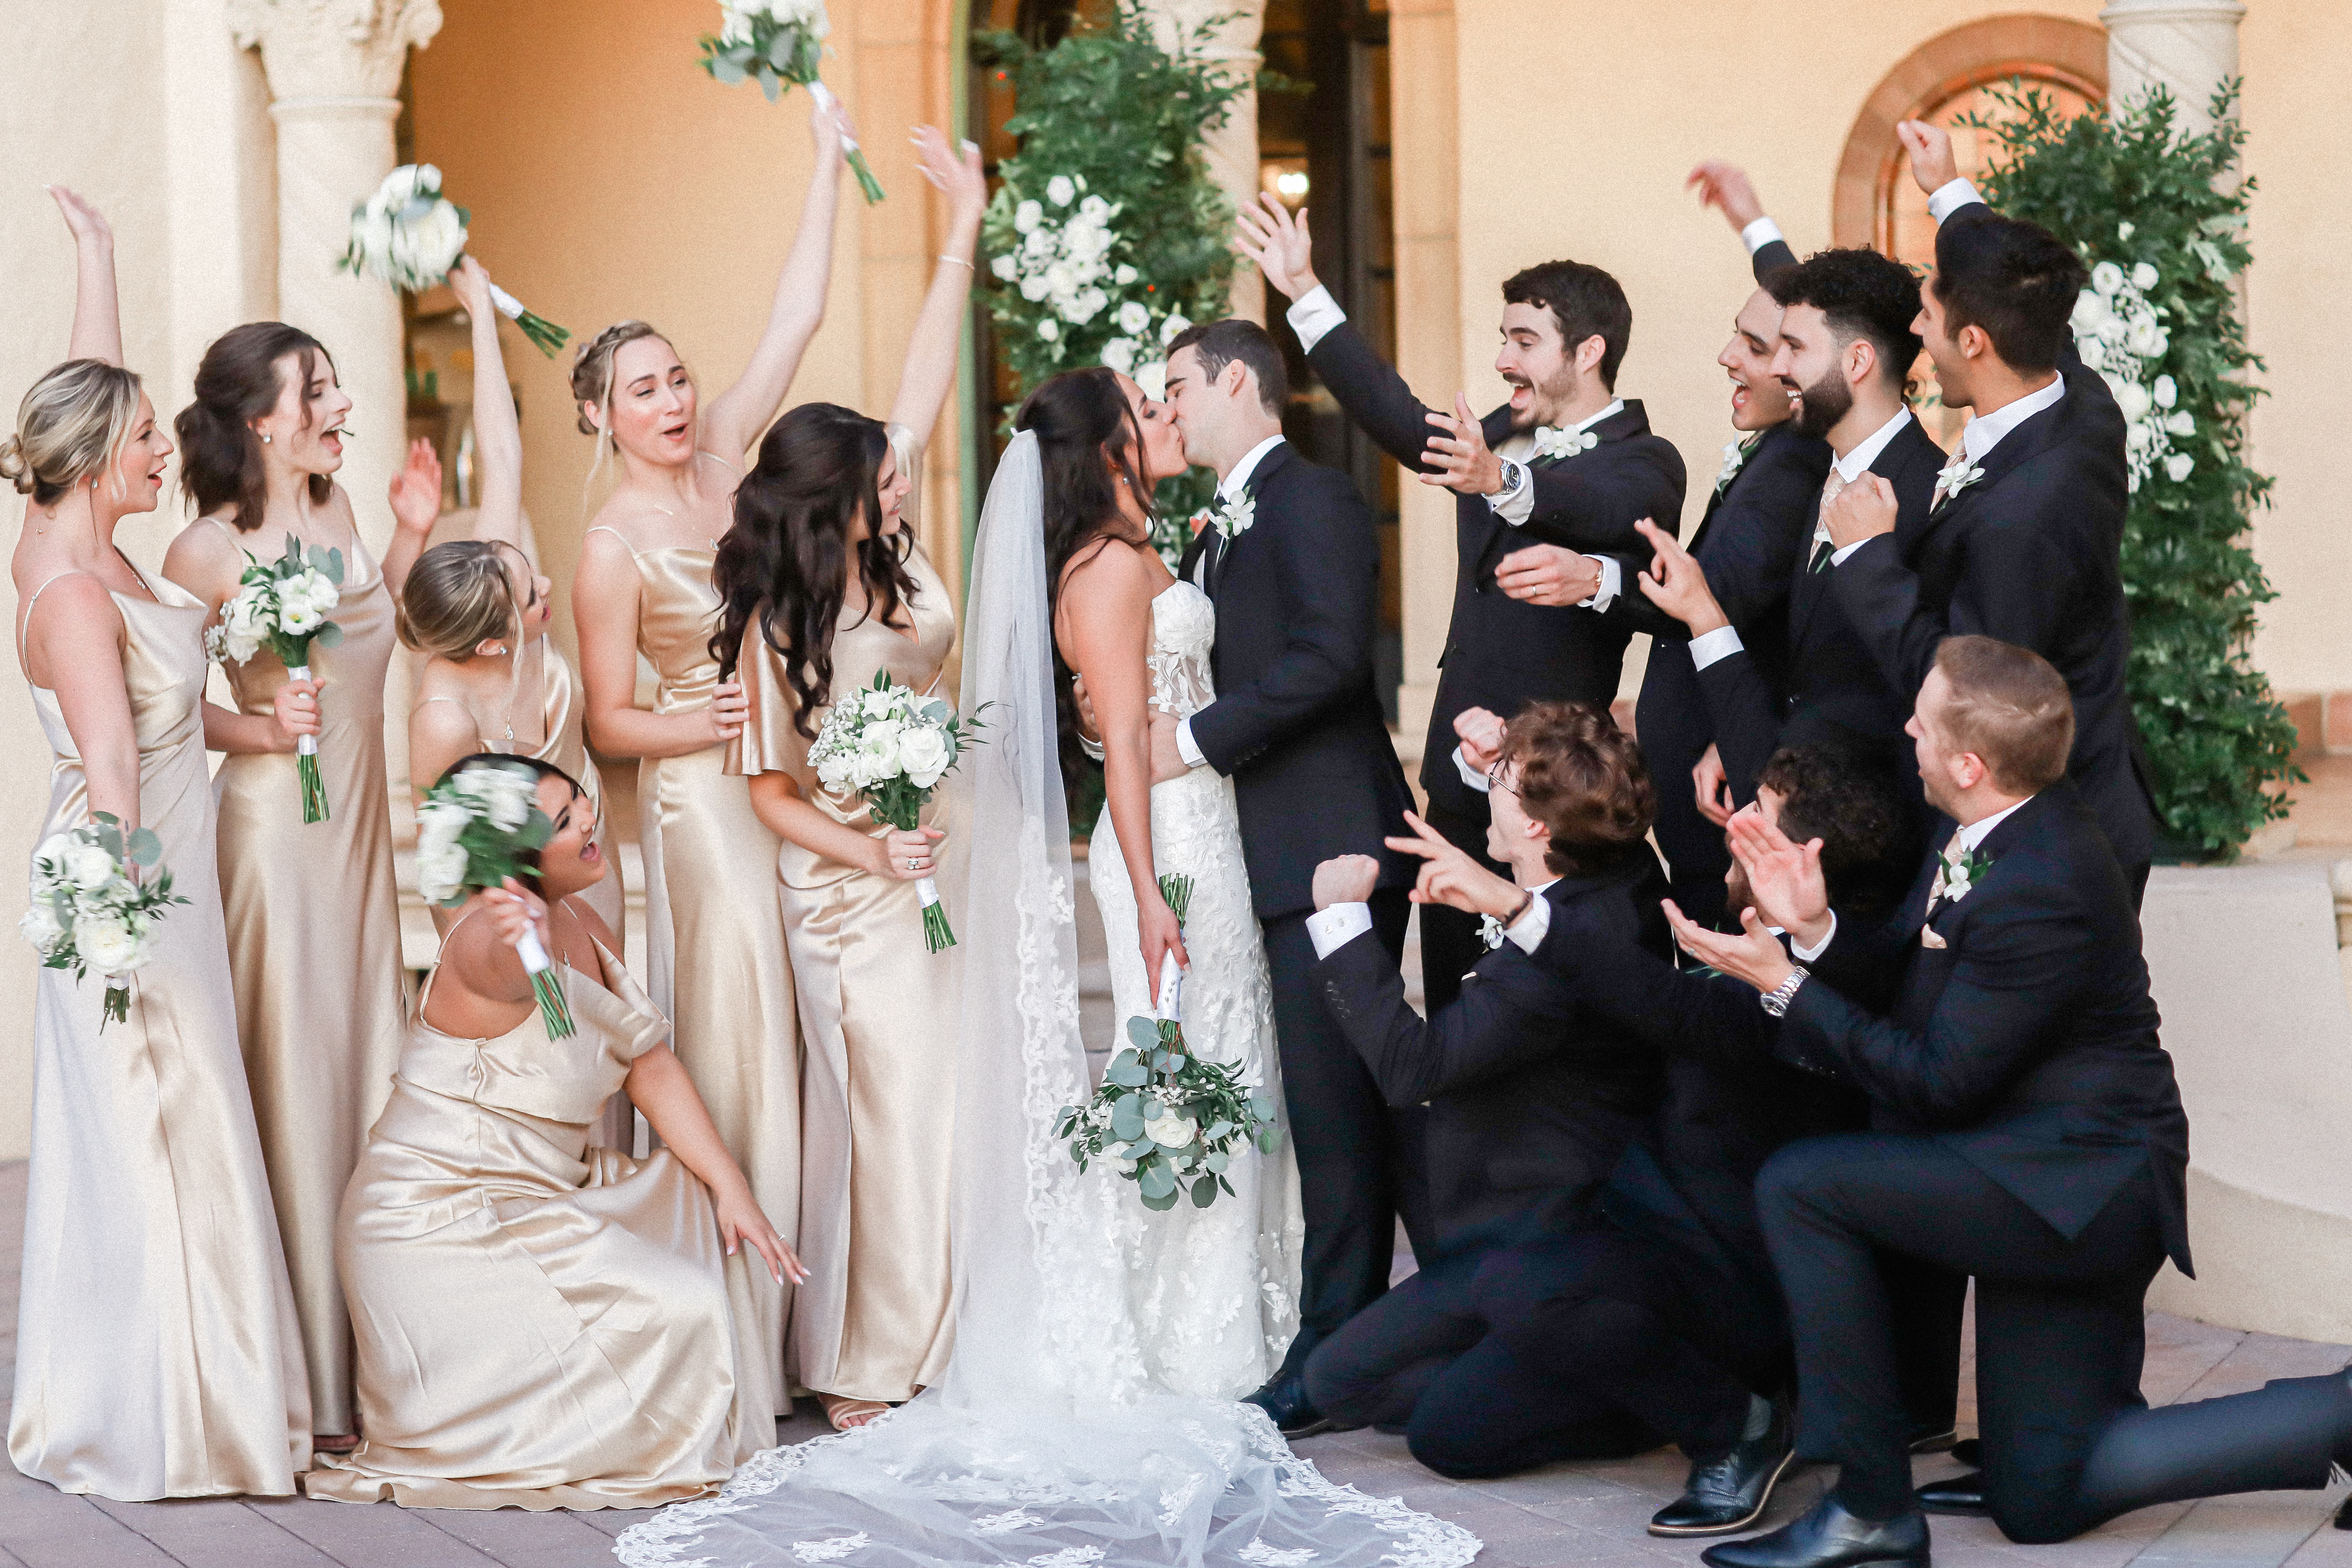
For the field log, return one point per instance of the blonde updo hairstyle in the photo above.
(592, 383)
(460, 595)
(69, 428)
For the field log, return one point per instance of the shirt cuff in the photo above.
(1314, 317)
(1711, 647)
(1837, 556)
(1527, 932)
(1804, 954)
(1759, 233)
(1950, 197)
(1188, 748)
(1470, 775)
(1090, 746)
(1515, 507)
(1612, 583)
(1333, 928)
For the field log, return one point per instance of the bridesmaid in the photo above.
(543, 1324)
(495, 682)
(715, 942)
(313, 916)
(833, 487)
(157, 1354)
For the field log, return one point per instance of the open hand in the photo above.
(953, 167)
(1676, 584)
(1784, 877)
(1754, 955)
(1280, 244)
(742, 1223)
(1458, 456)
(415, 491)
(88, 225)
(1713, 788)
(296, 709)
(1450, 877)
(1930, 146)
(1864, 510)
(728, 710)
(1724, 187)
(1547, 574)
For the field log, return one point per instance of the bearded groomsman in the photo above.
(1548, 488)
(2023, 539)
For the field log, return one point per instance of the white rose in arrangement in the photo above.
(108, 945)
(49, 859)
(2147, 340)
(2133, 398)
(2167, 391)
(1173, 327)
(924, 755)
(2093, 352)
(40, 927)
(1133, 317)
(1125, 275)
(2143, 277)
(2180, 423)
(1050, 330)
(877, 749)
(1089, 244)
(1034, 288)
(1120, 354)
(2090, 310)
(1061, 193)
(1097, 212)
(2178, 466)
(1006, 266)
(88, 866)
(2106, 278)
(876, 704)
(1038, 247)
(1027, 217)
(440, 871)
(1170, 1129)
(1061, 279)
(1085, 307)
(2123, 232)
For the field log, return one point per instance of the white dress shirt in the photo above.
(1759, 233)
(1228, 489)
(1333, 928)
(1968, 839)
(1984, 432)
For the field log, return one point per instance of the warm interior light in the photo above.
(1291, 182)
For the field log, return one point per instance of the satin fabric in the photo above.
(715, 956)
(878, 1013)
(314, 950)
(157, 1354)
(541, 1324)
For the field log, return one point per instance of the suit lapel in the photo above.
(2011, 451)
(1220, 549)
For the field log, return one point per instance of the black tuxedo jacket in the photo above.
(2027, 1042)
(1296, 724)
(1837, 691)
(2029, 553)
(1532, 1095)
(1501, 653)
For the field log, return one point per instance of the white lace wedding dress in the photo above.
(1213, 1294)
(1060, 1437)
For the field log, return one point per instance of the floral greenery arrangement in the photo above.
(474, 830)
(1109, 236)
(2146, 205)
(87, 913)
(285, 604)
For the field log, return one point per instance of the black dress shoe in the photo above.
(1826, 1536)
(1969, 1451)
(1295, 1415)
(1731, 1493)
(1960, 1495)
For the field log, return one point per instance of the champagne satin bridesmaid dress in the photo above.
(715, 942)
(314, 950)
(157, 1354)
(541, 1324)
(878, 1017)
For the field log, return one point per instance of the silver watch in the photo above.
(1514, 475)
(1776, 1001)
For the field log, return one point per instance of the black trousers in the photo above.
(2068, 1441)
(1671, 718)
(1359, 1161)
(1449, 943)
(1420, 1359)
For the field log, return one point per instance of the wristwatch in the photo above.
(1776, 1001)
(1514, 475)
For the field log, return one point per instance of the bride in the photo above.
(1089, 1416)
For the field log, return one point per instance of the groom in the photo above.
(1291, 561)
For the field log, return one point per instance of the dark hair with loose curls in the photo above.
(785, 564)
(1582, 777)
(236, 383)
(1089, 444)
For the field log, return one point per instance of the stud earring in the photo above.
(264, 439)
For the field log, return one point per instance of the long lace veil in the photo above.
(1045, 1446)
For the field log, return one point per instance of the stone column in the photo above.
(1232, 44)
(333, 67)
(2188, 45)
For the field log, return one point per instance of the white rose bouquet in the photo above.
(88, 913)
(472, 831)
(892, 747)
(1064, 258)
(285, 604)
(773, 42)
(409, 234)
(2120, 333)
(1166, 1119)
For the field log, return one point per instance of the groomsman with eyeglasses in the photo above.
(1548, 488)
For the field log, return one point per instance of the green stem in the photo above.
(865, 180)
(543, 331)
(937, 937)
(553, 1009)
(314, 788)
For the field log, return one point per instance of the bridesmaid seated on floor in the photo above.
(542, 1324)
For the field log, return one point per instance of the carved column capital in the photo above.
(2188, 45)
(333, 48)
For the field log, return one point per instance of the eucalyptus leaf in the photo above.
(1164, 1201)
(1205, 1192)
(144, 848)
(724, 69)
(1143, 1033)
(329, 634)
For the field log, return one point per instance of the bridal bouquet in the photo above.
(285, 604)
(87, 913)
(892, 747)
(409, 234)
(773, 42)
(1165, 1119)
(472, 831)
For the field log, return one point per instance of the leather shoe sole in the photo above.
(1961, 1497)
(1732, 1526)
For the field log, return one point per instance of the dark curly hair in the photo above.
(1870, 838)
(1862, 294)
(1584, 778)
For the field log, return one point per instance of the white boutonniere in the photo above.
(1235, 518)
(1955, 476)
(1735, 457)
(1551, 443)
(1961, 870)
(1490, 931)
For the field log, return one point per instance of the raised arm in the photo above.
(930, 372)
(734, 419)
(1726, 188)
(97, 315)
(498, 435)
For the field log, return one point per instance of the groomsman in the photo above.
(2027, 1131)
(2022, 541)
(1548, 488)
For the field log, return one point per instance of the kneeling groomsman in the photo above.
(2028, 1133)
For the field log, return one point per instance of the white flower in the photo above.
(2114, 330)
(1061, 193)
(1050, 330)
(440, 871)
(107, 944)
(1037, 248)
(2093, 352)
(2178, 466)
(1006, 266)
(2143, 277)
(88, 865)
(296, 619)
(1173, 327)
(924, 753)
(2133, 398)
(2147, 340)
(1027, 217)
(1133, 317)
(1033, 288)
(1956, 476)
(2106, 278)
(1085, 307)
(876, 702)
(2181, 422)
(1120, 354)
(1235, 518)
(2090, 310)
(2167, 391)
(1153, 380)
(2139, 436)
(1096, 212)
(877, 751)
(2124, 231)
(1060, 279)
(1124, 276)
(1171, 1128)
(1551, 443)
(834, 771)
(1735, 457)
(1490, 931)
(40, 927)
